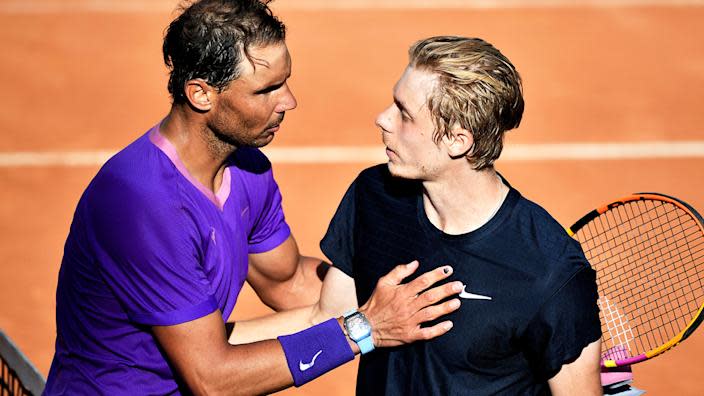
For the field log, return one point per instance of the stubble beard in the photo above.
(232, 141)
(221, 142)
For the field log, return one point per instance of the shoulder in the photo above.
(137, 203)
(139, 181)
(545, 232)
(555, 256)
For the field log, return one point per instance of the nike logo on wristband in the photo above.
(472, 296)
(305, 366)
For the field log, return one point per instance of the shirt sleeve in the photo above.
(338, 242)
(564, 326)
(270, 228)
(147, 251)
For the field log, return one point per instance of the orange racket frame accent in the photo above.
(698, 317)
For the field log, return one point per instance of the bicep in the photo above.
(338, 294)
(580, 376)
(283, 279)
(275, 265)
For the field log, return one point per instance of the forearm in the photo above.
(271, 326)
(321, 348)
(209, 365)
(255, 368)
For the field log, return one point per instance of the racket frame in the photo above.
(698, 317)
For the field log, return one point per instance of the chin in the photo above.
(262, 141)
(409, 172)
(399, 171)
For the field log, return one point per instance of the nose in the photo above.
(383, 120)
(287, 101)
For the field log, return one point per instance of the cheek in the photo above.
(416, 141)
(250, 113)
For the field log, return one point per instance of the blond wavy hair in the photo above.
(478, 90)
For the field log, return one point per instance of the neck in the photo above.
(464, 200)
(202, 153)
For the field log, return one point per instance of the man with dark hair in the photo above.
(529, 321)
(169, 229)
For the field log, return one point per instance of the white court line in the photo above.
(375, 154)
(472, 4)
(167, 6)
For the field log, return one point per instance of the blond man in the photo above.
(528, 322)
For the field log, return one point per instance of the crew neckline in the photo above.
(484, 230)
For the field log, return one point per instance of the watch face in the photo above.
(357, 326)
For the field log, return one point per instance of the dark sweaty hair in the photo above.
(211, 38)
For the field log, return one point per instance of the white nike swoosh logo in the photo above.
(472, 296)
(305, 366)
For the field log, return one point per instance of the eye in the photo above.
(405, 117)
(268, 89)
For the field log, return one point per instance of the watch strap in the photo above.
(366, 344)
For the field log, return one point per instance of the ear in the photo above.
(199, 94)
(459, 143)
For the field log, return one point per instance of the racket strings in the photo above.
(618, 327)
(657, 332)
(649, 258)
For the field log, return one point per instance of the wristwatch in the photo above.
(359, 330)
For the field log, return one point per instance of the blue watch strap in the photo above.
(365, 344)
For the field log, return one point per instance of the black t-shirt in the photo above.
(542, 311)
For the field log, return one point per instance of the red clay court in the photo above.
(613, 94)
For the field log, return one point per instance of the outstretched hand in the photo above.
(396, 311)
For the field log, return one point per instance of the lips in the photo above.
(390, 152)
(275, 126)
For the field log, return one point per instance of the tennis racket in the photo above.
(648, 252)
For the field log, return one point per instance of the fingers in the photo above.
(396, 311)
(429, 278)
(435, 311)
(399, 273)
(439, 329)
(438, 293)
